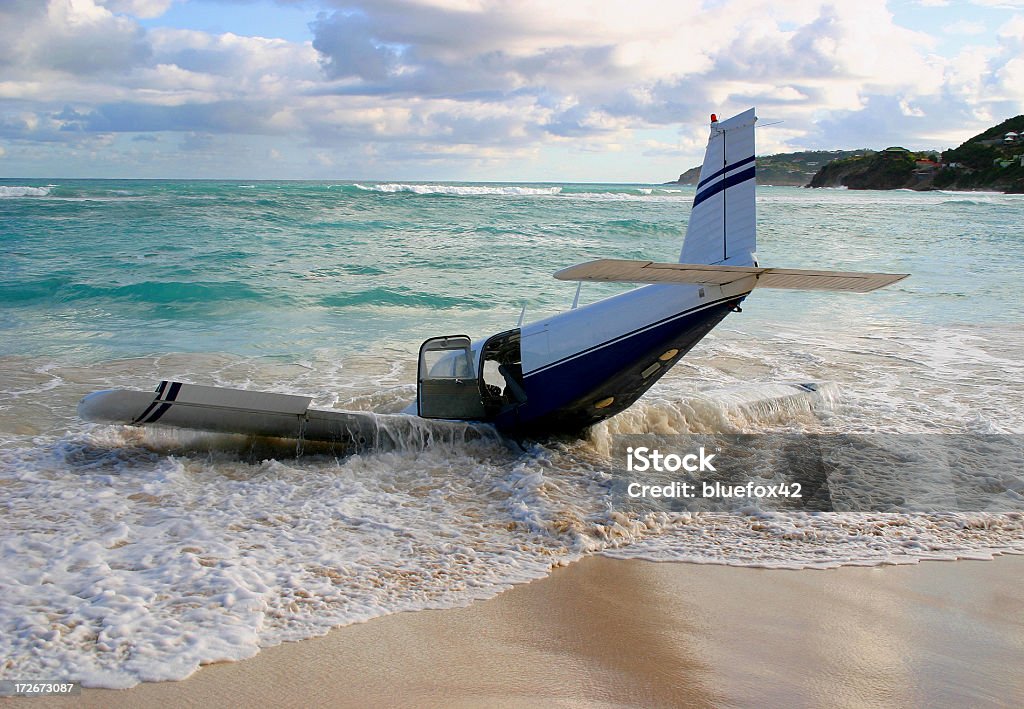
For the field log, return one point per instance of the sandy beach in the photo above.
(604, 632)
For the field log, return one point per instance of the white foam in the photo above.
(19, 191)
(460, 190)
(638, 195)
(130, 565)
(132, 554)
(770, 539)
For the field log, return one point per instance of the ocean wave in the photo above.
(630, 195)
(772, 539)
(400, 297)
(59, 289)
(190, 558)
(182, 561)
(611, 192)
(24, 191)
(198, 548)
(460, 190)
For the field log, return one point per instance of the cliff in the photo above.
(890, 169)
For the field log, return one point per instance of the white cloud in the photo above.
(910, 111)
(443, 80)
(1002, 4)
(75, 37)
(138, 8)
(1013, 31)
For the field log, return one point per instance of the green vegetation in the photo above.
(784, 169)
(889, 169)
(985, 162)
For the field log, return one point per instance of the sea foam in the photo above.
(21, 191)
(141, 554)
(460, 190)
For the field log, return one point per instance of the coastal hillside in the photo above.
(992, 160)
(783, 169)
(889, 169)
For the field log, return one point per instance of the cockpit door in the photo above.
(447, 384)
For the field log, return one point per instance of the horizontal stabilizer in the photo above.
(626, 271)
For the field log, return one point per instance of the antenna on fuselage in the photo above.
(522, 316)
(576, 300)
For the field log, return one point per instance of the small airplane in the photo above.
(557, 375)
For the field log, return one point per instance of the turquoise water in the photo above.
(134, 554)
(100, 269)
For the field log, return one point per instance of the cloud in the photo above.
(640, 60)
(138, 8)
(1001, 4)
(349, 49)
(446, 80)
(198, 142)
(76, 37)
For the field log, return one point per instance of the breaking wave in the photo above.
(460, 190)
(185, 548)
(582, 192)
(24, 191)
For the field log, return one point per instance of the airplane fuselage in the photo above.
(584, 365)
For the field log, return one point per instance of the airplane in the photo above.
(557, 375)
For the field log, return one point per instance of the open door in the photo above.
(502, 373)
(447, 385)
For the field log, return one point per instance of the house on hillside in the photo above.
(1011, 138)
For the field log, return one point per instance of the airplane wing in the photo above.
(623, 270)
(207, 408)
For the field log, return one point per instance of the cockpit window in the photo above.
(449, 363)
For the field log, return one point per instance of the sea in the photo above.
(131, 554)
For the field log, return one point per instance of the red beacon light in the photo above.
(714, 118)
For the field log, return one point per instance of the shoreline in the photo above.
(613, 632)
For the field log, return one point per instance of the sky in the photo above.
(485, 90)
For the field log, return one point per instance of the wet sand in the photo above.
(608, 633)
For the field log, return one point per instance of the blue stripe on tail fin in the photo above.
(722, 228)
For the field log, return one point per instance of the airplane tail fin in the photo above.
(722, 228)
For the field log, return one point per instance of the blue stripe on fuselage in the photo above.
(561, 397)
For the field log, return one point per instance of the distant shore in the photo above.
(632, 633)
